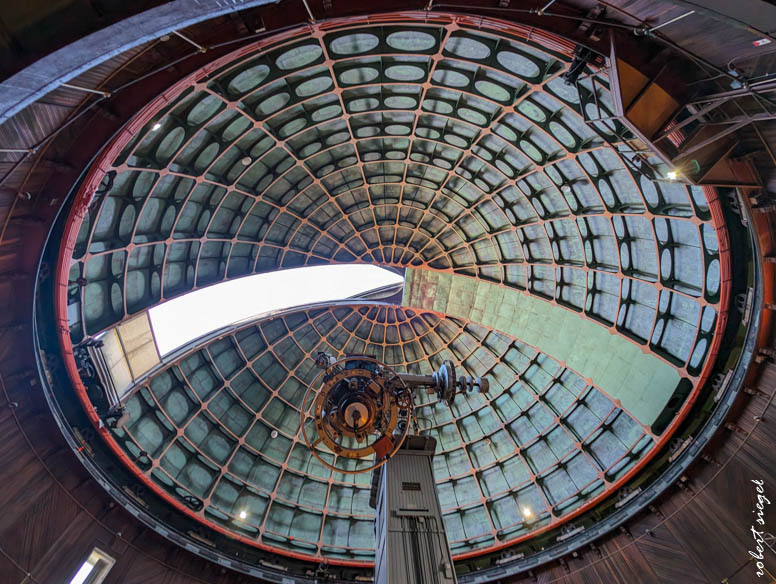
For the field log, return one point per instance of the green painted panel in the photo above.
(641, 381)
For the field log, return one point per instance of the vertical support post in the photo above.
(410, 532)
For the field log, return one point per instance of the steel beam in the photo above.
(48, 73)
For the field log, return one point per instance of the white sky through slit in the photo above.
(187, 317)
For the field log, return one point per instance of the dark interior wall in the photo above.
(34, 28)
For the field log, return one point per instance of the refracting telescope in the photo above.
(358, 411)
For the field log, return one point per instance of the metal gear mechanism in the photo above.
(362, 410)
(358, 411)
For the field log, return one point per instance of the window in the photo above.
(228, 302)
(94, 569)
(125, 353)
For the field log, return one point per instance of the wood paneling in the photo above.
(660, 551)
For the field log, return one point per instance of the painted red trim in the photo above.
(96, 174)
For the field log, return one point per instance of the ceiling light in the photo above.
(243, 515)
(246, 161)
(527, 513)
(274, 433)
(672, 175)
(156, 126)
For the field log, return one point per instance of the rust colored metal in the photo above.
(560, 45)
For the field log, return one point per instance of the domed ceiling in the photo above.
(222, 423)
(537, 253)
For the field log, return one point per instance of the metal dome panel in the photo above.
(443, 144)
(221, 424)
(352, 145)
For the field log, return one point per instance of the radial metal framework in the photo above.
(426, 141)
(219, 429)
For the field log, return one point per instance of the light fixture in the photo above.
(527, 513)
(672, 175)
(243, 515)
(246, 161)
(274, 433)
(156, 126)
